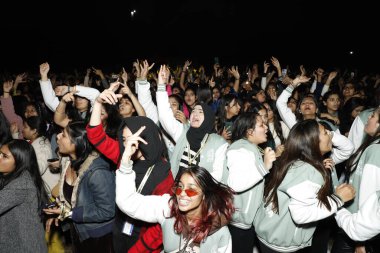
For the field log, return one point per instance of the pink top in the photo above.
(10, 114)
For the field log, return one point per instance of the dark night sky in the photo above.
(104, 34)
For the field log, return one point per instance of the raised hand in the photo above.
(303, 70)
(124, 76)
(44, 70)
(21, 78)
(69, 97)
(61, 90)
(98, 72)
(163, 75)
(234, 71)
(211, 82)
(108, 95)
(186, 65)
(275, 62)
(144, 68)
(136, 67)
(131, 144)
(266, 66)
(299, 79)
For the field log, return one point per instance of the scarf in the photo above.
(195, 135)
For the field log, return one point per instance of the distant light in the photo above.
(133, 12)
(351, 52)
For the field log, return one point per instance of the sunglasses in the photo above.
(189, 192)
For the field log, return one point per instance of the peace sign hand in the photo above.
(131, 144)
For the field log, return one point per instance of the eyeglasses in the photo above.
(177, 190)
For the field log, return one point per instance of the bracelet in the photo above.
(6, 91)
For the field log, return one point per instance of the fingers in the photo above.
(48, 224)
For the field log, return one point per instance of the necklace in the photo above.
(191, 159)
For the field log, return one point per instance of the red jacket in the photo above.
(150, 238)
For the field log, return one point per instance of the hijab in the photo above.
(153, 152)
(195, 135)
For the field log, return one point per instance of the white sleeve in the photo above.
(364, 224)
(369, 182)
(282, 106)
(50, 99)
(313, 86)
(343, 148)
(285, 130)
(325, 89)
(165, 114)
(145, 98)
(304, 205)
(87, 92)
(227, 248)
(263, 82)
(150, 208)
(243, 169)
(356, 133)
(218, 164)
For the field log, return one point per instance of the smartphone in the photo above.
(51, 160)
(51, 205)
(216, 60)
(284, 71)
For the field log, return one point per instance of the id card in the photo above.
(128, 228)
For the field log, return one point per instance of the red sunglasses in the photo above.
(189, 192)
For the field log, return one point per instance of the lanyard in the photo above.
(191, 159)
(147, 174)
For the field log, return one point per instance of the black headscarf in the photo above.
(195, 135)
(153, 152)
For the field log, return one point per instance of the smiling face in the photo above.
(192, 206)
(197, 117)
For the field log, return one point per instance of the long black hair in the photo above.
(302, 144)
(25, 160)
(352, 162)
(78, 136)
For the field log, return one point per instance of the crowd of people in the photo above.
(180, 159)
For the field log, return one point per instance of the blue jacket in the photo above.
(94, 211)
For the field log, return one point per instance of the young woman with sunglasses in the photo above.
(199, 209)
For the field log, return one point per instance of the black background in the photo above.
(103, 34)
